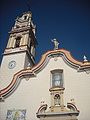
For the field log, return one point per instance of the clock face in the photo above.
(11, 64)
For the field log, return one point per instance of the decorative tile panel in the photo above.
(16, 114)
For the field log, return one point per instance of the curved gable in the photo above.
(67, 57)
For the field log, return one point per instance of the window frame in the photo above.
(60, 71)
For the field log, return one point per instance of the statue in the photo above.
(56, 43)
(85, 58)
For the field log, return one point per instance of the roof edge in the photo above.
(44, 60)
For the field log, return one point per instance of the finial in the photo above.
(56, 43)
(85, 58)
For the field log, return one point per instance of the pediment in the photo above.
(31, 72)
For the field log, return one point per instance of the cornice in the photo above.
(21, 29)
(67, 57)
(13, 50)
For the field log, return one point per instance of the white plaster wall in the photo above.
(6, 74)
(30, 93)
(28, 61)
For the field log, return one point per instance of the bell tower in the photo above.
(22, 38)
(20, 51)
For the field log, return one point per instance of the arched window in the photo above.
(57, 78)
(25, 17)
(57, 100)
(17, 43)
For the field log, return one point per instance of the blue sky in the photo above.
(66, 20)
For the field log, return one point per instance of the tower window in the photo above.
(25, 17)
(17, 43)
(57, 78)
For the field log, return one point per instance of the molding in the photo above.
(58, 114)
(21, 29)
(56, 89)
(14, 83)
(72, 106)
(12, 50)
(66, 56)
(31, 72)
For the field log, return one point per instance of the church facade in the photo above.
(57, 88)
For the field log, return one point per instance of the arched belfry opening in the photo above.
(17, 41)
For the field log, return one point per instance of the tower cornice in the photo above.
(15, 30)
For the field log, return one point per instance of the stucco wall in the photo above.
(31, 92)
(6, 74)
